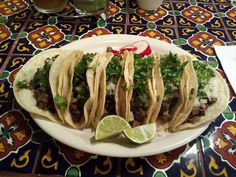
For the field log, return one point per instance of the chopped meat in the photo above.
(75, 111)
(195, 111)
(110, 104)
(164, 112)
(42, 100)
(138, 108)
(212, 100)
(193, 119)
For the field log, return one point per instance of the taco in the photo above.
(173, 70)
(111, 91)
(189, 90)
(211, 99)
(158, 89)
(72, 82)
(31, 85)
(142, 99)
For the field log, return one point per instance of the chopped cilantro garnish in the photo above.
(41, 78)
(142, 72)
(79, 79)
(172, 71)
(22, 84)
(204, 75)
(113, 70)
(81, 68)
(60, 102)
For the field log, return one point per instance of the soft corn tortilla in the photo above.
(25, 97)
(100, 87)
(188, 94)
(125, 87)
(158, 89)
(128, 75)
(221, 92)
(61, 80)
(175, 109)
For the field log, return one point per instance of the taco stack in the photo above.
(78, 89)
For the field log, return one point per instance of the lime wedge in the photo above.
(109, 126)
(141, 134)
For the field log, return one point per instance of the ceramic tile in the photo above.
(19, 139)
(232, 34)
(9, 31)
(7, 78)
(227, 13)
(3, 58)
(182, 161)
(201, 41)
(59, 159)
(197, 15)
(222, 1)
(85, 30)
(15, 10)
(162, 16)
(166, 34)
(39, 36)
(218, 144)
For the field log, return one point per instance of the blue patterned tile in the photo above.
(181, 161)
(14, 65)
(85, 30)
(162, 16)
(43, 35)
(59, 159)
(8, 34)
(19, 140)
(218, 144)
(166, 34)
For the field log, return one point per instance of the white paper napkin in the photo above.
(227, 56)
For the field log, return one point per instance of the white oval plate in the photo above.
(84, 139)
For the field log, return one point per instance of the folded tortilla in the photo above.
(100, 88)
(219, 90)
(189, 86)
(173, 109)
(25, 96)
(157, 88)
(61, 81)
(132, 107)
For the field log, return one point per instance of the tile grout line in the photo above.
(9, 55)
(201, 157)
(37, 158)
(176, 22)
(118, 171)
(223, 23)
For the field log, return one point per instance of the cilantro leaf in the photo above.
(204, 75)
(142, 72)
(60, 102)
(22, 84)
(172, 71)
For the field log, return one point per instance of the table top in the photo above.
(30, 151)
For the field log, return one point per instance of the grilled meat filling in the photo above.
(142, 73)
(113, 73)
(80, 92)
(41, 88)
(204, 97)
